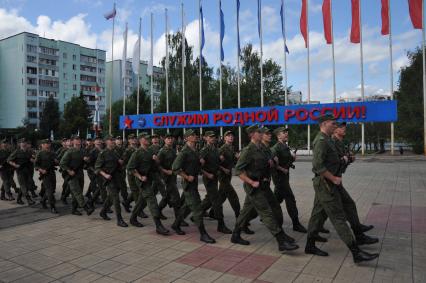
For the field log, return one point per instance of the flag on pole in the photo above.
(222, 31)
(416, 8)
(183, 38)
(355, 28)
(136, 57)
(123, 62)
(385, 17)
(111, 14)
(149, 70)
(238, 26)
(203, 40)
(304, 23)
(259, 17)
(167, 40)
(326, 17)
(282, 26)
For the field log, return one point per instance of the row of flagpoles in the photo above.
(416, 15)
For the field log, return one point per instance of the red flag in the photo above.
(304, 23)
(416, 8)
(385, 17)
(326, 17)
(355, 29)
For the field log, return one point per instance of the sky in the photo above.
(82, 22)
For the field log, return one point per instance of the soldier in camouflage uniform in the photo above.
(89, 168)
(119, 149)
(21, 159)
(72, 164)
(45, 164)
(210, 166)
(66, 144)
(157, 182)
(281, 177)
(253, 167)
(187, 165)
(106, 166)
(141, 164)
(96, 187)
(328, 203)
(6, 172)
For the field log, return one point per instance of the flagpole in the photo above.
(152, 71)
(262, 101)
(332, 52)
(166, 65)
(285, 56)
(183, 63)
(309, 73)
(96, 116)
(220, 67)
(391, 77)
(362, 78)
(138, 94)
(123, 70)
(200, 59)
(238, 78)
(112, 72)
(424, 79)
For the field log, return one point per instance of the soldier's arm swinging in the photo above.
(243, 176)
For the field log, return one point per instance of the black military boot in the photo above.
(365, 228)
(162, 216)
(176, 227)
(183, 223)
(53, 209)
(299, 227)
(64, 200)
(74, 210)
(33, 194)
(287, 238)
(283, 244)
(89, 209)
(204, 237)
(324, 231)
(142, 214)
(30, 200)
(236, 238)
(362, 239)
(19, 199)
(104, 215)
(9, 197)
(310, 248)
(120, 221)
(126, 205)
(221, 227)
(159, 228)
(318, 238)
(247, 230)
(43, 203)
(211, 214)
(134, 222)
(2, 196)
(359, 255)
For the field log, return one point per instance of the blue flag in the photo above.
(259, 16)
(222, 31)
(282, 26)
(238, 26)
(203, 40)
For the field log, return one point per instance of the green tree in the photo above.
(76, 117)
(410, 102)
(50, 117)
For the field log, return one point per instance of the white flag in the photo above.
(149, 71)
(123, 62)
(136, 57)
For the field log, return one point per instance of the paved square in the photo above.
(390, 193)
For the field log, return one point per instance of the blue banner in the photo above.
(354, 112)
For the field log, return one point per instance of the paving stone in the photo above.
(83, 275)
(107, 267)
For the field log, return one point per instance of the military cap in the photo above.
(341, 124)
(227, 133)
(169, 135)
(75, 137)
(209, 134)
(153, 136)
(89, 139)
(45, 141)
(64, 139)
(253, 128)
(118, 138)
(108, 137)
(265, 130)
(131, 136)
(280, 129)
(189, 133)
(326, 117)
(144, 135)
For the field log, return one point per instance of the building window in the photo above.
(74, 87)
(32, 70)
(86, 78)
(65, 76)
(49, 51)
(31, 59)
(31, 92)
(32, 115)
(31, 81)
(74, 57)
(47, 62)
(75, 77)
(31, 48)
(65, 55)
(49, 83)
(73, 66)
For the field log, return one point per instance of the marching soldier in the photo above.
(141, 164)
(99, 188)
(119, 149)
(89, 168)
(106, 166)
(21, 159)
(157, 183)
(6, 172)
(328, 202)
(281, 177)
(210, 163)
(187, 165)
(45, 164)
(66, 144)
(253, 168)
(72, 164)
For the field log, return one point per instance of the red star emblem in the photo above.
(128, 122)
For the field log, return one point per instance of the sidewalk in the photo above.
(37, 246)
